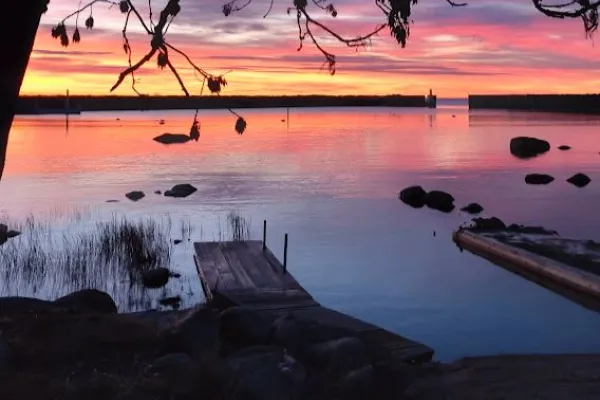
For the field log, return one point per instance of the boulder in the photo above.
(6, 233)
(181, 190)
(156, 278)
(337, 357)
(527, 147)
(195, 334)
(135, 195)
(564, 147)
(580, 180)
(242, 327)
(441, 201)
(414, 196)
(5, 355)
(538, 179)
(256, 373)
(88, 300)
(492, 223)
(11, 306)
(295, 334)
(172, 138)
(157, 192)
(174, 367)
(472, 208)
(357, 384)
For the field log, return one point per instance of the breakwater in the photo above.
(42, 104)
(567, 103)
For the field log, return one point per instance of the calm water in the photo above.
(331, 181)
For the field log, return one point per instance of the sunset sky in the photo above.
(491, 46)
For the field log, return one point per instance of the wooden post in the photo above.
(16, 49)
(264, 235)
(285, 244)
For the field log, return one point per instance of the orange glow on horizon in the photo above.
(457, 58)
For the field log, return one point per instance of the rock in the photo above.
(174, 366)
(196, 334)
(441, 201)
(295, 334)
(564, 147)
(176, 241)
(492, 223)
(135, 195)
(6, 233)
(157, 192)
(527, 147)
(172, 138)
(337, 357)
(538, 179)
(12, 306)
(88, 300)
(356, 384)
(242, 327)
(414, 196)
(181, 190)
(580, 180)
(173, 301)
(112, 201)
(472, 208)
(256, 373)
(5, 355)
(156, 278)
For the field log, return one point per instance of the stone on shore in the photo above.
(172, 138)
(88, 300)
(414, 196)
(196, 334)
(538, 179)
(135, 195)
(242, 327)
(580, 180)
(527, 147)
(181, 190)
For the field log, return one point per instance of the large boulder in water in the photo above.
(580, 180)
(441, 201)
(538, 179)
(172, 138)
(414, 196)
(181, 190)
(527, 147)
(135, 195)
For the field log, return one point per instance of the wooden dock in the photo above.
(248, 274)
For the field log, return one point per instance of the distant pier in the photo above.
(36, 104)
(563, 103)
(247, 273)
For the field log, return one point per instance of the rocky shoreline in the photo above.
(79, 347)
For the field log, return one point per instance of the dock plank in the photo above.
(252, 277)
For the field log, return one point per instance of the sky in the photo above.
(490, 46)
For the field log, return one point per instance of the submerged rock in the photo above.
(472, 208)
(441, 201)
(6, 233)
(564, 147)
(156, 278)
(157, 192)
(181, 190)
(135, 195)
(527, 147)
(172, 138)
(538, 179)
(414, 196)
(580, 180)
(88, 300)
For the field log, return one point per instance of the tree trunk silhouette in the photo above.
(19, 36)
